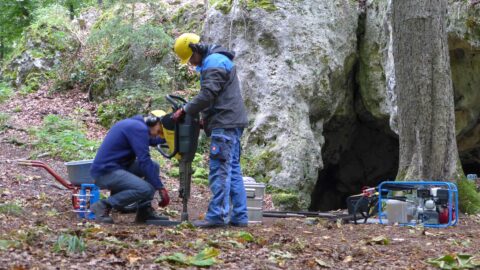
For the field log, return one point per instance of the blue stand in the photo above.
(386, 188)
(88, 195)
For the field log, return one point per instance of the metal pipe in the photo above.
(41, 164)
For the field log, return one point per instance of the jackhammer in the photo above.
(182, 142)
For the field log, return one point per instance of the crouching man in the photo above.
(123, 165)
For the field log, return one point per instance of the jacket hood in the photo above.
(221, 50)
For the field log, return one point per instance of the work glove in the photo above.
(178, 115)
(164, 198)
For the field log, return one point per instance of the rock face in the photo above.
(319, 83)
(296, 66)
(44, 44)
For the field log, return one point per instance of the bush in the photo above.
(64, 138)
(119, 52)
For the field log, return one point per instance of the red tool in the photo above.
(61, 180)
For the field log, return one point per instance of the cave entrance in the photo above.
(356, 153)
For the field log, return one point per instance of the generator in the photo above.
(432, 204)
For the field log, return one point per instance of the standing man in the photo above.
(122, 161)
(224, 117)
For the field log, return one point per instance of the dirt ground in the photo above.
(291, 243)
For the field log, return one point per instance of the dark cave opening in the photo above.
(356, 154)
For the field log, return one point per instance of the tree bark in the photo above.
(428, 148)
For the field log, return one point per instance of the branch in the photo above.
(474, 2)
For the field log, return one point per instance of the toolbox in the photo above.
(255, 194)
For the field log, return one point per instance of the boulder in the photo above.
(295, 62)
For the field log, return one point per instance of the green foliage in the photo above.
(174, 172)
(468, 197)
(456, 261)
(286, 199)
(11, 209)
(133, 100)
(225, 6)
(5, 92)
(119, 50)
(64, 138)
(6, 244)
(18, 15)
(257, 166)
(69, 243)
(45, 40)
(205, 258)
(3, 120)
(200, 170)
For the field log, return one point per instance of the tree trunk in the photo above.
(428, 149)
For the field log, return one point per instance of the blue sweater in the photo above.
(126, 140)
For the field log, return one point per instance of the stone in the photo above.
(294, 64)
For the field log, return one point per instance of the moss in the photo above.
(468, 197)
(269, 43)
(290, 201)
(225, 6)
(257, 166)
(470, 22)
(263, 4)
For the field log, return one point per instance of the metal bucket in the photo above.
(79, 172)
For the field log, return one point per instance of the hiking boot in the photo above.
(238, 224)
(207, 224)
(102, 209)
(147, 213)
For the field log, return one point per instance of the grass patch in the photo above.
(3, 120)
(468, 197)
(11, 209)
(5, 92)
(64, 138)
(69, 243)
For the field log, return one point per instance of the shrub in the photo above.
(64, 138)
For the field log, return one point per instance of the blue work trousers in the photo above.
(225, 178)
(127, 187)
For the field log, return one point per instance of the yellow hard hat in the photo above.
(182, 48)
(158, 113)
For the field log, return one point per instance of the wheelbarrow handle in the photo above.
(41, 164)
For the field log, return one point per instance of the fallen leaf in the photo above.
(348, 259)
(322, 263)
(379, 240)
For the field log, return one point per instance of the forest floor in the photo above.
(36, 214)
